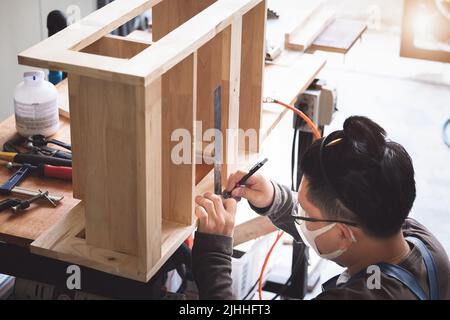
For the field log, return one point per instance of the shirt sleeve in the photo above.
(211, 266)
(280, 212)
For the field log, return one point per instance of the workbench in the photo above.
(290, 75)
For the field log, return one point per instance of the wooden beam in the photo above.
(252, 229)
(179, 104)
(252, 71)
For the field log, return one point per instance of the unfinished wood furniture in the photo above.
(126, 98)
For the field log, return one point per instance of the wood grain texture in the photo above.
(252, 75)
(179, 104)
(104, 131)
(340, 36)
(303, 36)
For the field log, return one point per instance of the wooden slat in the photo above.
(231, 82)
(148, 177)
(302, 38)
(252, 66)
(103, 136)
(179, 92)
(252, 229)
(340, 36)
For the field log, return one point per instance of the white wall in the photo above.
(389, 12)
(23, 23)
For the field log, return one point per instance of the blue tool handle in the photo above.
(17, 178)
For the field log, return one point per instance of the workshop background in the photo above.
(409, 97)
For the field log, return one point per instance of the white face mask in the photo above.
(309, 236)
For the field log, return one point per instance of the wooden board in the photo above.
(339, 36)
(285, 83)
(302, 37)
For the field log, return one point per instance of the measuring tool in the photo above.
(218, 141)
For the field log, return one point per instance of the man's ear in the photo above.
(346, 238)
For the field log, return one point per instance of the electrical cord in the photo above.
(318, 136)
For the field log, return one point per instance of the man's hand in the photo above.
(215, 215)
(259, 191)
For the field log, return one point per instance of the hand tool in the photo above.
(34, 159)
(243, 181)
(32, 193)
(44, 170)
(25, 170)
(38, 145)
(23, 205)
(218, 141)
(18, 205)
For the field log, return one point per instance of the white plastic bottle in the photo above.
(36, 106)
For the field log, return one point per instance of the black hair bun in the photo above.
(365, 137)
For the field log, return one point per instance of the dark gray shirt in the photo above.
(212, 259)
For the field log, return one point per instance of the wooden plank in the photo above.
(303, 15)
(340, 36)
(303, 37)
(252, 229)
(104, 168)
(61, 242)
(179, 103)
(231, 83)
(149, 175)
(252, 66)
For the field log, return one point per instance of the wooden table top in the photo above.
(22, 229)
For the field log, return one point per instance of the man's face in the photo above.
(330, 241)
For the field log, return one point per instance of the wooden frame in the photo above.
(126, 97)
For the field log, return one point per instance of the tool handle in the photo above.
(61, 144)
(16, 178)
(8, 203)
(63, 155)
(36, 160)
(63, 173)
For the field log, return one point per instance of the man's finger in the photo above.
(234, 179)
(201, 214)
(207, 204)
(230, 205)
(218, 204)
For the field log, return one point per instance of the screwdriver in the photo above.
(34, 159)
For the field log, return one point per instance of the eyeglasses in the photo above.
(302, 217)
